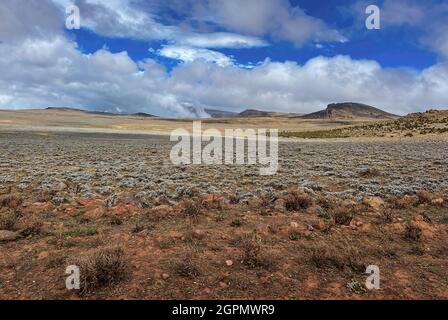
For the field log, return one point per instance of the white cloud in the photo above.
(248, 20)
(402, 12)
(189, 54)
(22, 19)
(290, 87)
(128, 19)
(63, 76)
(275, 18)
(220, 40)
(41, 67)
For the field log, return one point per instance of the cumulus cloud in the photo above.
(63, 76)
(275, 18)
(22, 19)
(245, 22)
(42, 67)
(132, 19)
(303, 88)
(189, 54)
(403, 12)
(220, 40)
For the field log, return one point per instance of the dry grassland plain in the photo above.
(100, 191)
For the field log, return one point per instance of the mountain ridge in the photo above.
(138, 114)
(350, 110)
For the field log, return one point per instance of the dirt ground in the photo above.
(141, 228)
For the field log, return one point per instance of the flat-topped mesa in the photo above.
(248, 113)
(255, 113)
(350, 110)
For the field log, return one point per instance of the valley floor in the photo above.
(141, 228)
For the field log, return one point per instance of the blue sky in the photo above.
(396, 46)
(177, 58)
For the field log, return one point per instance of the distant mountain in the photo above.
(105, 113)
(250, 113)
(253, 113)
(142, 114)
(220, 114)
(350, 110)
(64, 109)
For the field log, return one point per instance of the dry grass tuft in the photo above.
(388, 216)
(190, 208)
(266, 200)
(296, 200)
(343, 215)
(187, 268)
(103, 268)
(32, 228)
(213, 201)
(424, 197)
(413, 232)
(10, 201)
(370, 173)
(402, 202)
(233, 198)
(44, 196)
(253, 256)
(331, 255)
(9, 219)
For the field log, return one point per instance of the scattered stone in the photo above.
(162, 210)
(437, 202)
(356, 222)
(294, 224)
(316, 210)
(43, 255)
(175, 235)
(59, 186)
(95, 212)
(6, 235)
(373, 202)
(319, 225)
(105, 191)
(279, 204)
(199, 234)
(57, 200)
(229, 263)
(165, 276)
(38, 208)
(111, 200)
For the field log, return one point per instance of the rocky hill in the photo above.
(350, 110)
(432, 122)
(253, 113)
